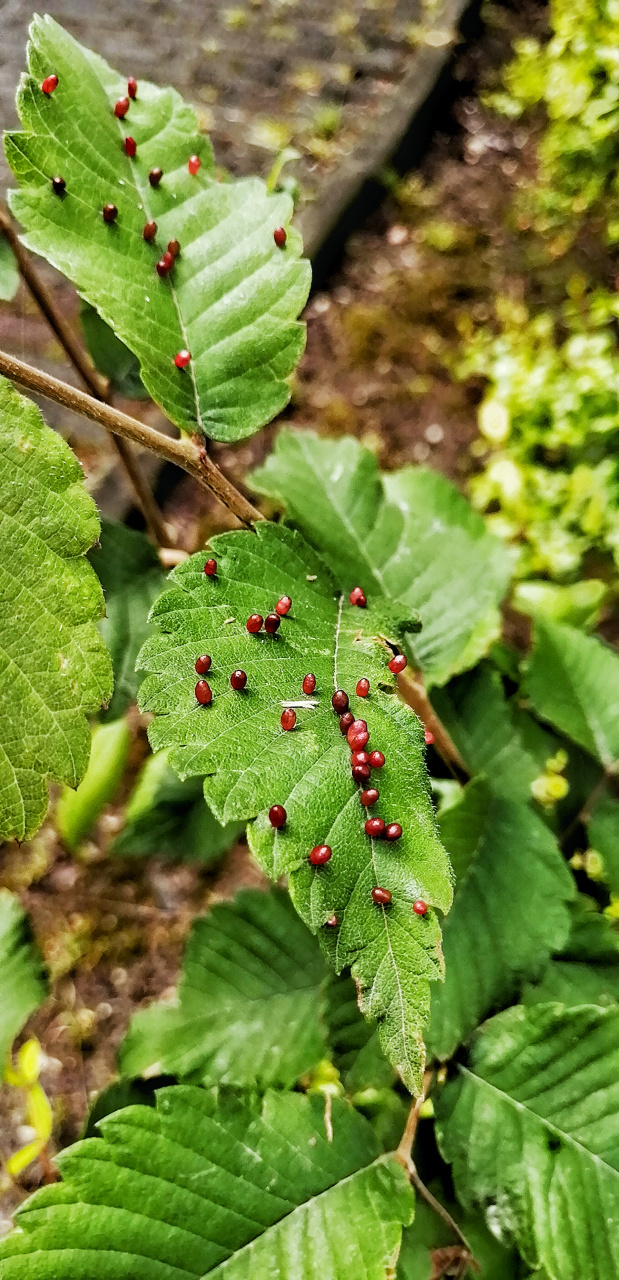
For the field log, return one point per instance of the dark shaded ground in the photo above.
(380, 339)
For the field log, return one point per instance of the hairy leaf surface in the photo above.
(220, 1187)
(505, 859)
(251, 763)
(249, 1009)
(232, 297)
(532, 1130)
(408, 535)
(22, 984)
(54, 668)
(573, 682)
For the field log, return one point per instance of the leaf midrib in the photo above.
(581, 1150)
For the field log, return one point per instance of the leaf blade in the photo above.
(22, 984)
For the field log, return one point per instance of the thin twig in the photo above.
(404, 1157)
(412, 688)
(184, 453)
(98, 385)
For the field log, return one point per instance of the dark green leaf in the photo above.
(22, 984)
(130, 573)
(603, 829)
(429, 1233)
(532, 1130)
(509, 912)
(354, 1042)
(169, 818)
(586, 971)
(110, 356)
(232, 297)
(54, 668)
(251, 763)
(217, 1187)
(249, 1006)
(408, 535)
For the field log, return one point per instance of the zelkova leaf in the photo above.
(505, 859)
(220, 1187)
(573, 683)
(232, 296)
(252, 763)
(408, 534)
(249, 1009)
(22, 984)
(54, 668)
(531, 1127)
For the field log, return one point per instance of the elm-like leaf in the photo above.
(408, 535)
(54, 667)
(217, 1186)
(232, 297)
(531, 1127)
(573, 682)
(251, 763)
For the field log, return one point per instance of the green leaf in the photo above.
(251, 763)
(169, 818)
(54, 668)
(488, 732)
(217, 1187)
(110, 356)
(354, 1042)
(586, 971)
(249, 1005)
(573, 682)
(232, 296)
(532, 1130)
(509, 912)
(77, 811)
(603, 830)
(131, 575)
(408, 535)
(22, 984)
(9, 271)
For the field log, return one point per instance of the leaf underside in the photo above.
(54, 668)
(408, 535)
(217, 1186)
(22, 985)
(532, 1129)
(232, 298)
(249, 1002)
(251, 763)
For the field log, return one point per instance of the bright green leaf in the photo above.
(251, 763)
(221, 1188)
(22, 985)
(54, 668)
(110, 356)
(249, 1005)
(573, 683)
(408, 535)
(131, 575)
(354, 1043)
(77, 811)
(169, 818)
(505, 859)
(9, 271)
(232, 297)
(531, 1127)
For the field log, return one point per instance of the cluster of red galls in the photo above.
(356, 731)
(110, 211)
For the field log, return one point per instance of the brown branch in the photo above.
(403, 1155)
(183, 453)
(412, 688)
(98, 385)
